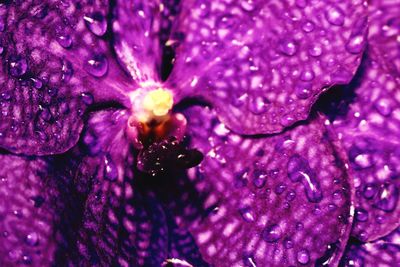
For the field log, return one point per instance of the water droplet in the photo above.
(6, 95)
(288, 243)
(307, 75)
(18, 66)
(37, 83)
(259, 178)
(227, 22)
(356, 44)
(370, 191)
(280, 188)
(45, 114)
(308, 26)
(303, 90)
(287, 120)
(392, 27)
(361, 215)
(66, 70)
(97, 65)
(247, 214)
(239, 100)
(299, 226)
(388, 197)
(288, 47)
(248, 5)
(87, 98)
(363, 161)
(335, 16)
(337, 195)
(110, 169)
(341, 76)
(299, 171)
(303, 257)
(328, 255)
(315, 50)
(32, 239)
(64, 40)
(26, 259)
(248, 261)
(1, 49)
(317, 211)
(272, 233)
(291, 195)
(258, 105)
(384, 106)
(96, 23)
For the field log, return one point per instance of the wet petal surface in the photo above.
(266, 61)
(27, 212)
(55, 63)
(367, 119)
(268, 201)
(136, 30)
(382, 252)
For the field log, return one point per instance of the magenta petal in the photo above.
(28, 217)
(121, 226)
(136, 33)
(271, 201)
(54, 65)
(382, 252)
(266, 61)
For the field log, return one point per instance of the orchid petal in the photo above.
(266, 61)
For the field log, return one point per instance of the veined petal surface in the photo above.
(266, 61)
(281, 200)
(56, 61)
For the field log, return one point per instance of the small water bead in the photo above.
(110, 169)
(66, 70)
(280, 188)
(37, 83)
(307, 75)
(370, 191)
(97, 65)
(238, 100)
(1, 49)
(287, 120)
(259, 178)
(6, 95)
(32, 239)
(332, 207)
(288, 47)
(315, 50)
(299, 226)
(356, 43)
(392, 27)
(361, 215)
(87, 98)
(303, 90)
(248, 5)
(380, 219)
(247, 214)
(303, 256)
(363, 161)
(272, 233)
(288, 243)
(335, 16)
(18, 66)
(64, 40)
(308, 26)
(317, 211)
(291, 195)
(248, 261)
(384, 106)
(258, 105)
(388, 197)
(227, 22)
(96, 23)
(26, 259)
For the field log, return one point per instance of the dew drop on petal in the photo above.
(37, 83)
(272, 233)
(247, 214)
(307, 75)
(315, 50)
(97, 65)
(87, 98)
(370, 191)
(388, 197)
(258, 105)
(303, 90)
(384, 106)
(18, 66)
(280, 188)
(96, 23)
(361, 215)
(32, 239)
(303, 257)
(335, 16)
(67, 71)
(110, 169)
(288, 47)
(64, 40)
(259, 178)
(288, 243)
(308, 26)
(356, 44)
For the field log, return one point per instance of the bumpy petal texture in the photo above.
(56, 61)
(136, 29)
(27, 212)
(280, 200)
(266, 61)
(384, 252)
(367, 119)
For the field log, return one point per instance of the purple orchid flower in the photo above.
(199, 133)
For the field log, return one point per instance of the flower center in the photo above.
(156, 105)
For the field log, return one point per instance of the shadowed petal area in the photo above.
(281, 200)
(265, 60)
(366, 116)
(382, 252)
(121, 226)
(55, 62)
(27, 213)
(136, 31)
